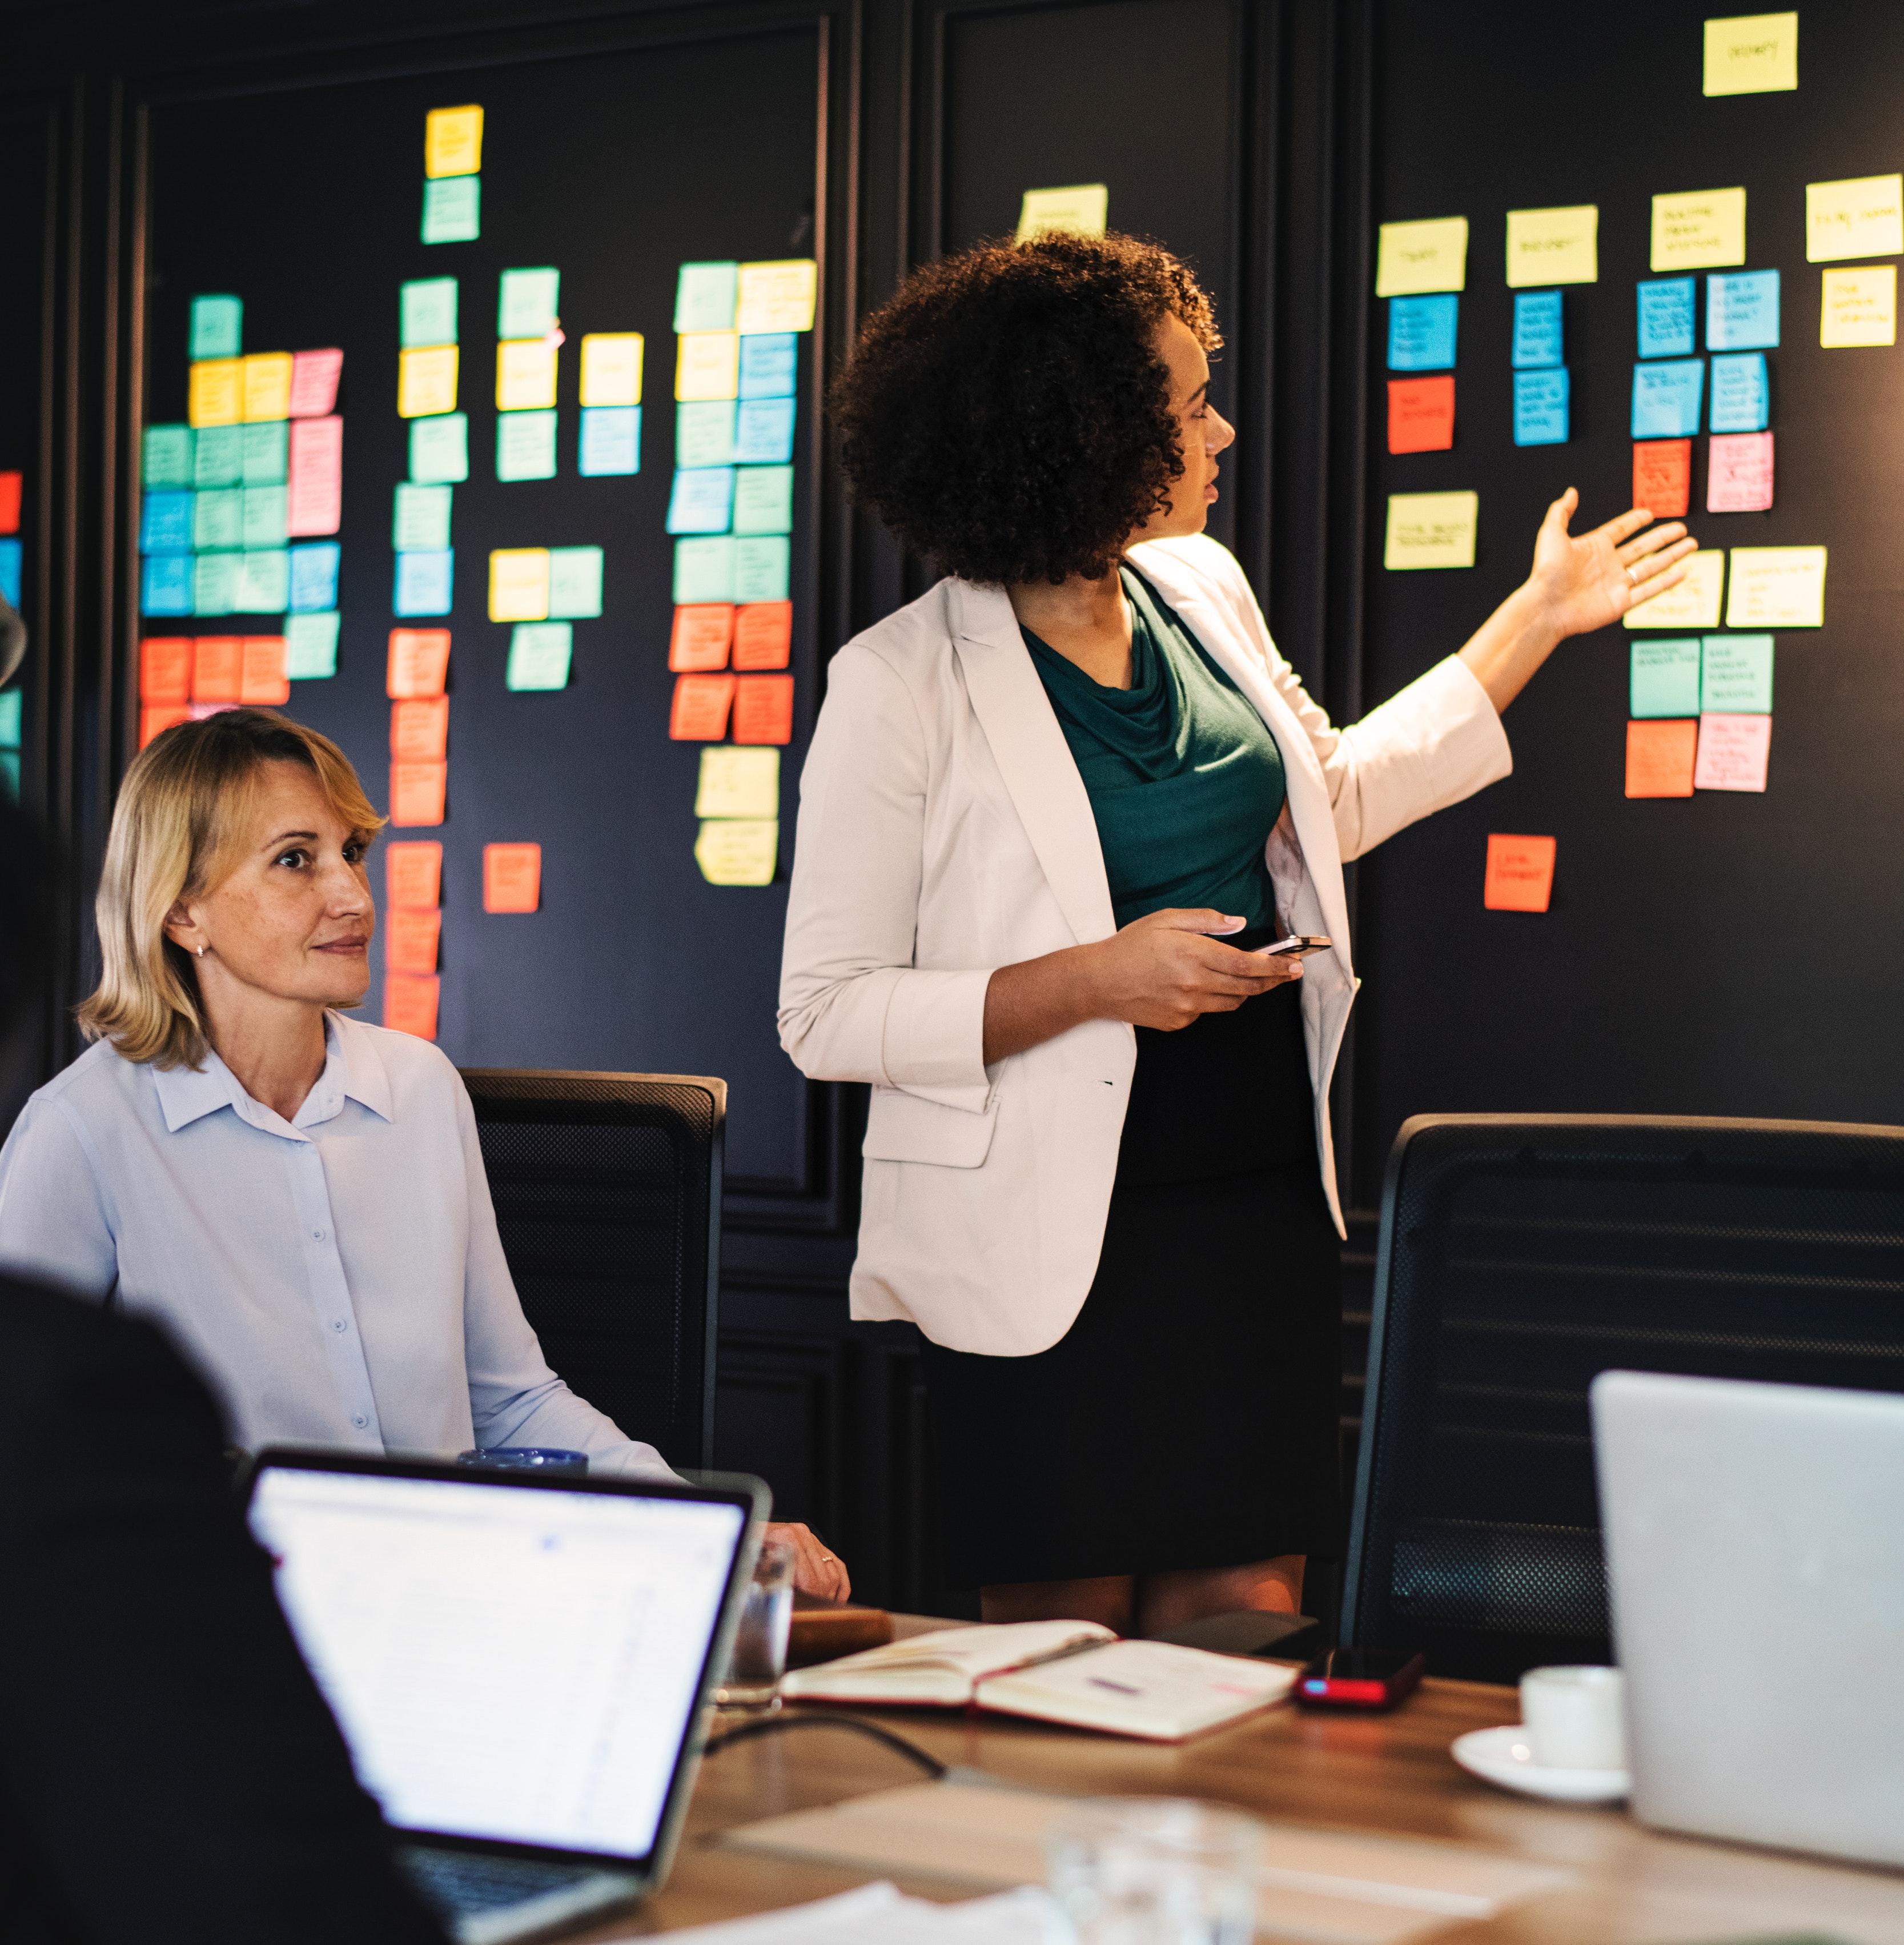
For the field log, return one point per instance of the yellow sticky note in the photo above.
(707, 365)
(1703, 230)
(217, 396)
(519, 584)
(737, 850)
(1553, 246)
(425, 381)
(1777, 587)
(1414, 257)
(267, 385)
(452, 142)
(1694, 603)
(738, 780)
(1431, 530)
(526, 374)
(1858, 307)
(777, 296)
(611, 368)
(1751, 54)
(1083, 210)
(1863, 217)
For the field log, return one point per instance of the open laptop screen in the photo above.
(518, 1665)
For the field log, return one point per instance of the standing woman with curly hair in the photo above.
(1053, 811)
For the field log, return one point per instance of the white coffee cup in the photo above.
(1575, 1717)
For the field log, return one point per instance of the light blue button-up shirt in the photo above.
(338, 1278)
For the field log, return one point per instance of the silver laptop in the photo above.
(1755, 1547)
(518, 1663)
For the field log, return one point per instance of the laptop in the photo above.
(1755, 1549)
(518, 1663)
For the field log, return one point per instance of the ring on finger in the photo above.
(1633, 577)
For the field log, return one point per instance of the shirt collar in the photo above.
(352, 1068)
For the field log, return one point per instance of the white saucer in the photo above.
(1505, 1756)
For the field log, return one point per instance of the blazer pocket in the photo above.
(901, 1126)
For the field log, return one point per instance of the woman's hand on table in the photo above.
(816, 1569)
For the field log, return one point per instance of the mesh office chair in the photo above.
(1521, 1255)
(608, 1194)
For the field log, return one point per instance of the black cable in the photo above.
(770, 1724)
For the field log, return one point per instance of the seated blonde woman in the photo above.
(299, 1197)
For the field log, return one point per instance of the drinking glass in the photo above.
(759, 1656)
(1156, 1871)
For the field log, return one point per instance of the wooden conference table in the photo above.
(1390, 1774)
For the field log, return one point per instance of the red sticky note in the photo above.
(763, 635)
(316, 495)
(264, 679)
(702, 631)
(1422, 414)
(1739, 473)
(1734, 751)
(10, 484)
(152, 721)
(1520, 874)
(419, 663)
(512, 877)
(410, 1004)
(417, 792)
(410, 938)
(314, 377)
(1662, 477)
(218, 669)
(700, 705)
(1659, 757)
(419, 730)
(413, 875)
(165, 669)
(763, 709)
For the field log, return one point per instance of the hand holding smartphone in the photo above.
(1297, 945)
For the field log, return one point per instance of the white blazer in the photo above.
(944, 832)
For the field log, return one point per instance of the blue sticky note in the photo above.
(1537, 329)
(314, 577)
(10, 773)
(11, 558)
(1742, 311)
(164, 588)
(611, 439)
(769, 363)
(1422, 332)
(12, 701)
(702, 501)
(424, 582)
(1540, 403)
(1666, 317)
(763, 432)
(165, 524)
(1742, 395)
(1666, 399)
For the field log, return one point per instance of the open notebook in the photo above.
(1070, 1672)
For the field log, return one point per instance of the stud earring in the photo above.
(202, 952)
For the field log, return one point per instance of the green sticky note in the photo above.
(525, 446)
(1735, 676)
(529, 303)
(704, 433)
(703, 569)
(420, 524)
(167, 452)
(218, 519)
(574, 582)
(214, 583)
(704, 297)
(218, 456)
(311, 646)
(452, 209)
(10, 773)
(266, 510)
(763, 500)
(1665, 679)
(440, 449)
(266, 461)
(218, 328)
(10, 713)
(539, 654)
(426, 312)
(264, 585)
(760, 568)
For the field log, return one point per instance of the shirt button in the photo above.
(338, 1324)
(359, 1421)
(317, 1235)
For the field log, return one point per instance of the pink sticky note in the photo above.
(1738, 473)
(314, 383)
(1733, 751)
(316, 476)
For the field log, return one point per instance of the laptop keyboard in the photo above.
(455, 1883)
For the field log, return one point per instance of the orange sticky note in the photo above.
(763, 635)
(1659, 757)
(417, 792)
(700, 706)
(1520, 874)
(763, 709)
(419, 730)
(419, 663)
(410, 938)
(263, 678)
(165, 669)
(152, 721)
(413, 875)
(410, 1004)
(1662, 477)
(702, 631)
(1422, 414)
(512, 877)
(218, 669)
(10, 484)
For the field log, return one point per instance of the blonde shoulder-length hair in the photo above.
(180, 815)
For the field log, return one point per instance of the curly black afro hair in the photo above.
(1005, 414)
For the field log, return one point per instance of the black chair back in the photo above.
(1521, 1255)
(608, 1194)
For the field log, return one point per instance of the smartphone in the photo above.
(1359, 1678)
(1297, 945)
